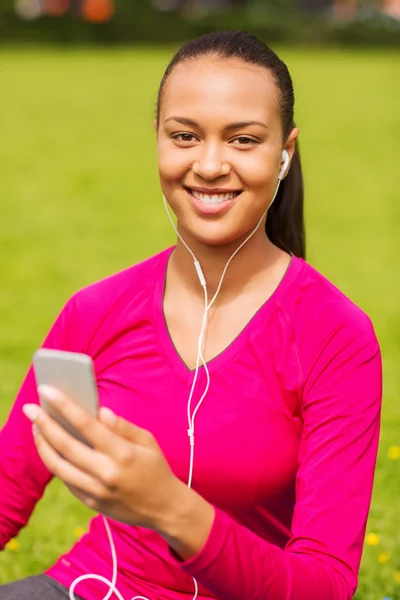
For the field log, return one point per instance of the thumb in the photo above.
(124, 428)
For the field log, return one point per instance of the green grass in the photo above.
(80, 200)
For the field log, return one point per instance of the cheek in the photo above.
(258, 172)
(172, 164)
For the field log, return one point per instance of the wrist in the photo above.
(187, 523)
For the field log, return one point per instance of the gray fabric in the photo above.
(39, 587)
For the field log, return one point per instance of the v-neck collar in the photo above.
(166, 343)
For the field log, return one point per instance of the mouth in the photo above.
(213, 196)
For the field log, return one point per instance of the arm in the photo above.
(341, 412)
(23, 476)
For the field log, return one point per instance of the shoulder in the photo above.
(327, 329)
(331, 346)
(318, 307)
(112, 303)
(136, 279)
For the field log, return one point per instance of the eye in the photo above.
(244, 140)
(186, 138)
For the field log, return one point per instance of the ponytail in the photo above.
(285, 221)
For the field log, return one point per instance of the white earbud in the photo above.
(286, 160)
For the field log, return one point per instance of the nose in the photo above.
(210, 163)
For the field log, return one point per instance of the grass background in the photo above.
(79, 199)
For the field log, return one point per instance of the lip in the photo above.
(211, 209)
(211, 191)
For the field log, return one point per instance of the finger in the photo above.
(69, 473)
(125, 429)
(90, 501)
(96, 433)
(86, 459)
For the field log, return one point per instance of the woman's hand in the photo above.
(124, 475)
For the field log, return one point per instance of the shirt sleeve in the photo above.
(23, 476)
(342, 395)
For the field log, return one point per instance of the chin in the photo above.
(214, 234)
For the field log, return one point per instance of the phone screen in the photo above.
(71, 373)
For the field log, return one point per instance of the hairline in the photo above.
(222, 57)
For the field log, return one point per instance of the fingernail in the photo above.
(50, 393)
(108, 416)
(31, 411)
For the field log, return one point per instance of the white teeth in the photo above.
(215, 198)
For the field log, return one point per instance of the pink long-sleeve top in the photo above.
(286, 440)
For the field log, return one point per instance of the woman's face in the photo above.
(220, 142)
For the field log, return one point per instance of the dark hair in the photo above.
(285, 221)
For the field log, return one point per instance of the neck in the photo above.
(257, 254)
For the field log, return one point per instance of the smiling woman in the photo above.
(237, 107)
(233, 456)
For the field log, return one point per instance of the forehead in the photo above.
(221, 88)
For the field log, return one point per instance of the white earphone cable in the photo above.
(191, 417)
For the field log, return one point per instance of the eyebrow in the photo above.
(238, 125)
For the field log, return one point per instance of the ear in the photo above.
(290, 146)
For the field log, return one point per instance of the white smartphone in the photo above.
(71, 373)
